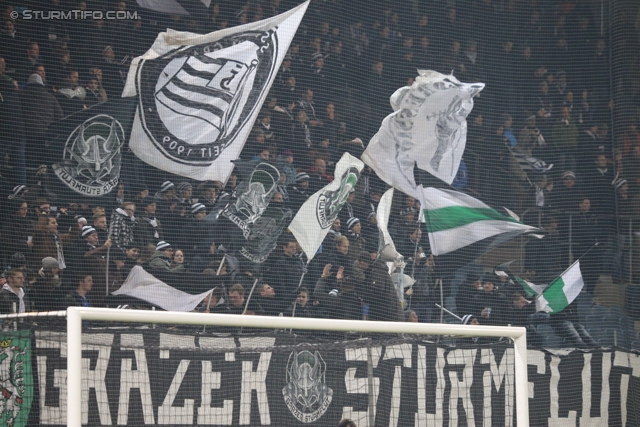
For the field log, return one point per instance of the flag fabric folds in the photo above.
(317, 214)
(199, 95)
(562, 291)
(428, 127)
(532, 167)
(147, 287)
(455, 220)
(386, 248)
(531, 289)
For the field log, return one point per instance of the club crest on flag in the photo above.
(306, 394)
(16, 380)
(92, 156)
(330, 202)
(195, 99)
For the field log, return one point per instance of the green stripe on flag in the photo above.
(458, 216)
(525, 285)
(555, 296)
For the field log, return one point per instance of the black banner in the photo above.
(165, 377)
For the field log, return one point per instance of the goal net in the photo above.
(244, 370)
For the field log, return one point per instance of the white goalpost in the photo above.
(75, 316)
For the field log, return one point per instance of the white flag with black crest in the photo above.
(199, 95)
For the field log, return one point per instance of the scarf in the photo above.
(125, 214)
(154, 223)
(60, 256)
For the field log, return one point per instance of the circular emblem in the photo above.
(195, 100)
(306, 394)
(330, 202)
(92, 156)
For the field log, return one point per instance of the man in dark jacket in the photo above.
(377, 289)
(285, 273)
(490, 306)
(340, 302)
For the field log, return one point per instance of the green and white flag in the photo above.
(455, 220)
(562, 291)
(529, 288)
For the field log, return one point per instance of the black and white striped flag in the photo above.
(199, 95)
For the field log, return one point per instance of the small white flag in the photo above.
(428, 127)
(562, 291)
(315, 217)
(142, 285)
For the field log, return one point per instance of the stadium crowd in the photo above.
(551, 93)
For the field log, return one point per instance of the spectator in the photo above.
(237, 304)
(565, 140)
(490, 306)
(101, 226)
(123, 223)
(12, 296)
(300, 192)
(47, 242)
(17, 232)
(301, 307)
(341, 301)
(466, 296)
(178, 259)
(286, 272)
(149, 229)
(377, 289)
(79, 296)
(214, 302)
(522, 312)
(162, 258)
(410, 316)
(266, 298)
(46, 292)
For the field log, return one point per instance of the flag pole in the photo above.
(293, 313)
(413, 266)
(255, 282)
(221, 264)
(106, 278)
(448, 312)
(204, 328)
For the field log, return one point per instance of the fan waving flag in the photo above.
(315, 217)
(428, 127)
(199, 95)
(562, 291)
(455, 220)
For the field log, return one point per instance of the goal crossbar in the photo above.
(75, 316)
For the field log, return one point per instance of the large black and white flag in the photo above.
(428, 128)
(85, 150)
(249, 226)
(199, 95)
(314, 218)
